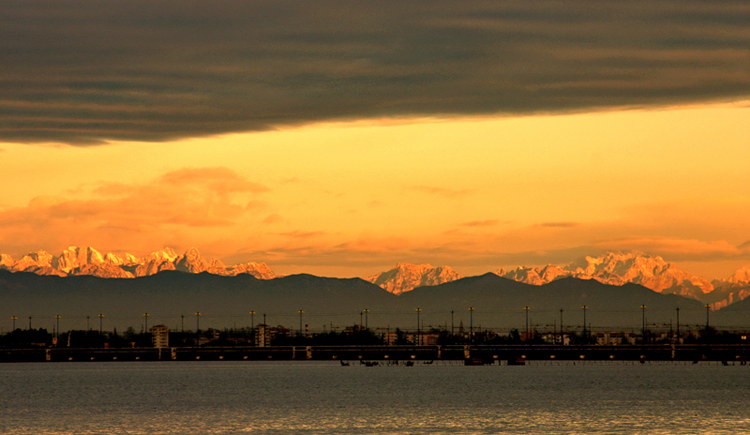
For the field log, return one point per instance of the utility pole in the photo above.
(145, 322)
(419, 310)
(584, 308)
(57, 332)
(300, 321)
(252, 325)
(367, 327)
(643, 328)
(471, 325)
(452, 324)
(562, 339)
(526, 308)
(708, 307)
(101, 316)
(198, 328)
(678, 324)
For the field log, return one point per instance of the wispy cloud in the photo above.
(89, 72)
(273, 219)
(679, 249)
(558, 224)
(487, 223)
(113, 215)
(291, 180)
(441, 191)
(302, 234)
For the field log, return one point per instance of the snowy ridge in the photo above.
(88, 261)
(404, 277)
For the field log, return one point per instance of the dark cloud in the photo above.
(84, 72)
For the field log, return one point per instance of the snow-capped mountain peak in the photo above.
(88, 261)
(404, 277)
(742, 276)
(618, 268)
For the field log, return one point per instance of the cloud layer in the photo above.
(85, 72)
(178, 208)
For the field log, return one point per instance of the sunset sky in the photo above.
(338, 138)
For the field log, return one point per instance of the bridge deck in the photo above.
(476, 354)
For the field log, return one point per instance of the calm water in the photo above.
(325, 398)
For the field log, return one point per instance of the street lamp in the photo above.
(471, 325)
(584, 308)
(145, 322)
(300, 321)
(452, 325)
(527, 323)
(367, 328)
(708, 307)
(252, 325)
(643, 327)
(419, 310)
(198, 328)
(101, 316)
(562, 337)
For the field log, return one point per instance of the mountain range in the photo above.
(612, 268)
(173, 298)
(88, 261)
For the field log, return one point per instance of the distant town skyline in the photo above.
(340, 141)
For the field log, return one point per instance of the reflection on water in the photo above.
(325, 398)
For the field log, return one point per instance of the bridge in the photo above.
(469, 354)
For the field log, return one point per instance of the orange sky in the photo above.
(351, 199)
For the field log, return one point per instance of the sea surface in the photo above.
(309, 397)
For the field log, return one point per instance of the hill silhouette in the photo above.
(225, 301)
